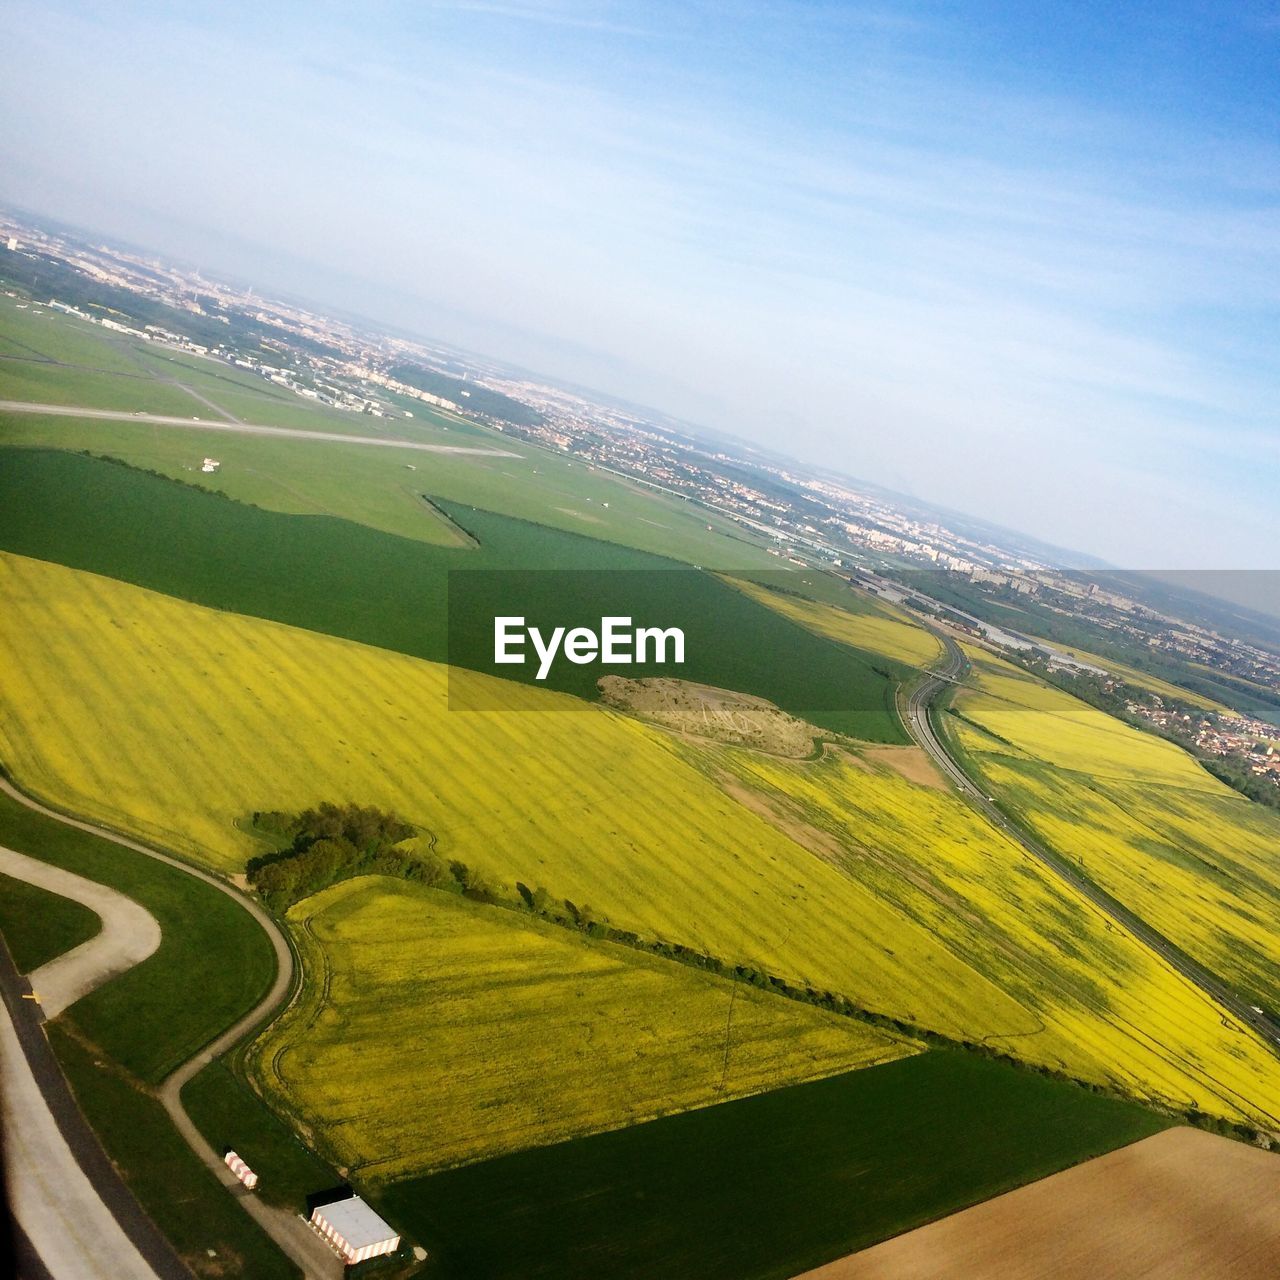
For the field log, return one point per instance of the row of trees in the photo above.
(324, 845)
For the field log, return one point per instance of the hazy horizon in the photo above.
(1021, 265)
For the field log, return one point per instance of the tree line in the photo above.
(333, 842)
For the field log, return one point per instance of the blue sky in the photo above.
(1019, 259)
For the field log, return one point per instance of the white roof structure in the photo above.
(357, 1224)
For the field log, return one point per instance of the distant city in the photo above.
(807, 517)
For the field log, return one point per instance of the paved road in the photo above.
(922, 700)
(61, 1212)
(288, 1230)
(244, 428)
(129, 934)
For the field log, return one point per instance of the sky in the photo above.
(1019, 259)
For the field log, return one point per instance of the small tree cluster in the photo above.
(335, 842)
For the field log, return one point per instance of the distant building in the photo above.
(210, 464)
(353, 1230)
(13, 244)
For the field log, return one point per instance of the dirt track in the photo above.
(1182, 1205)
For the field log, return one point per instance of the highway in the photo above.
(244, 428)
(920, 724)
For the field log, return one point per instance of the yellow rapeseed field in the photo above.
(177, 722)
(1105, 1008)
(884, 630)
(508, 1032)
(1139, 816)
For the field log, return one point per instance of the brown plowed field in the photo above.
(1182, 1205)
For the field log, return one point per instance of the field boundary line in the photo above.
(288, 1230)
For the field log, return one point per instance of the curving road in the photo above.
(128, 936)
(919, 722)
(289, 1231)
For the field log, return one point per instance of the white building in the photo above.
(353, 1230)
(210, 464)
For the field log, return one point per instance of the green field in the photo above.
(766, 1187)
(347, 580)
(509, 1032)
(213, 964)
(38, 925)
(204, 1224)
(146, 1020)
(232, 1117)
(370, 486)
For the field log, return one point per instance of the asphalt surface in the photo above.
(920, 724)
(129, 934)
(289, 1231)
(244, 428)
(75, 1218)
(60, 1211)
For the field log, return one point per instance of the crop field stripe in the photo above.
(580, 1035)
(646, 837)
(696, 869)
(1122, 989)
(318, 573)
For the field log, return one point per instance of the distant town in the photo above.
(1006, 591)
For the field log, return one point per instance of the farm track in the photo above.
(922, 702)
(289, 1231)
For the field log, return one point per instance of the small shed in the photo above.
(354, 1230)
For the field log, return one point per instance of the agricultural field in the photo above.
(213, 716)
(839, 875)
(765, 1187)
(38, 926)
(510, 1032)
(1103, 1008)
(874, 628)
(1137, 815)
(1214, 1203)
(346, 580)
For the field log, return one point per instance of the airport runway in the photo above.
(244, 428)
(72, 1231)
